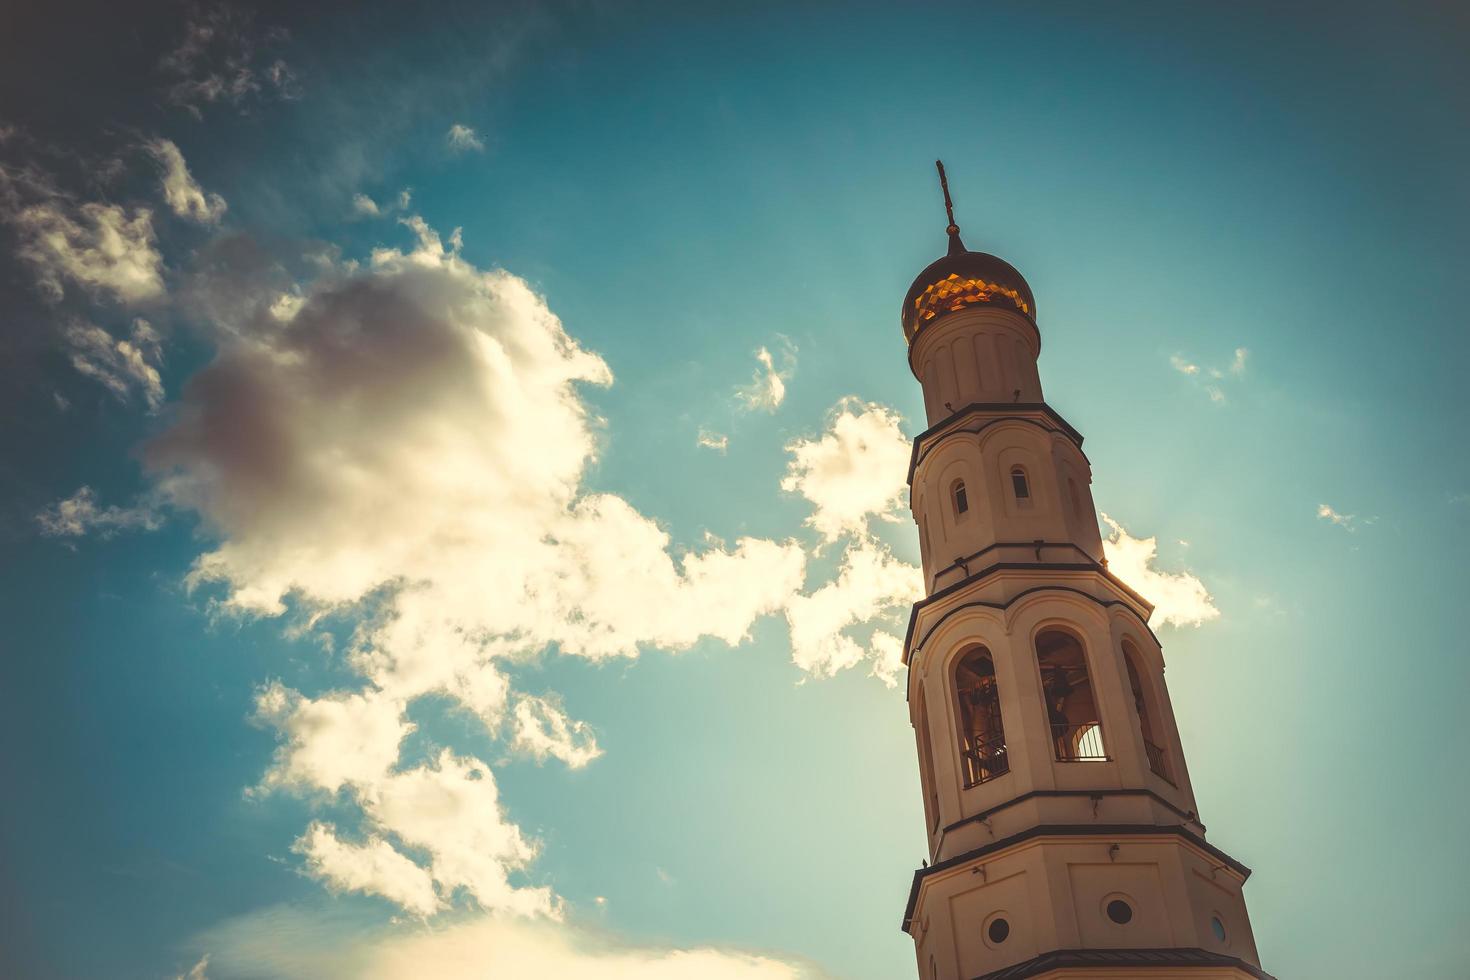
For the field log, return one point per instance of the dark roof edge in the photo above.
(1035, 794)
(1131, 958)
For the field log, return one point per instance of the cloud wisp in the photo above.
(124, 366)
(463, 139)
(1336, 518)
(767, 388)
(542, 731)
(1212, 380)
(365, 207)
(717, 441)
(181, 191)
(80, 514)
(224, 58)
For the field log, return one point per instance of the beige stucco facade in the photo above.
(1063, 833)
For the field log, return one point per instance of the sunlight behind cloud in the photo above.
(287, 943)
(1179, 598)
(407, 443)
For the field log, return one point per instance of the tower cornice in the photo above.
(989, 414)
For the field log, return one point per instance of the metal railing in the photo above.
(1078, 743)
(1156, 761)
(985, 758)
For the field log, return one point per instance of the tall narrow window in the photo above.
(1019, 485)
(982, 736)
(961, 498)
(1076, 728)
(926, 764)
(1156, 759)
(1076, 496)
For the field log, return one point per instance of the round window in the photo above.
(1217, 927)
(1120, 911)
(999, 931)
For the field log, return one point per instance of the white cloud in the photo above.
(870, 586)
(1237, 366)
(1178, 362)
(405, 442)
(408, 442)
(450, 809)
(887, 653)
(447, 810)
(372, 868)
(713, 440)
(1179, 598)
(365, 207)
(1344, 521)
(543, 730)
(79, 514)
(855, 470)
(1212, 379)
(122, 366)
(461, 138)
(333, 741)
(293, 943)
(767, 388)
(181, 192)
(199, 971)
(101, 247)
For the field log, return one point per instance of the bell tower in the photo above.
(1064, 838)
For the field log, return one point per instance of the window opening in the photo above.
(1076, 728)
(1019, 485)
(982, 735)
(1156, 758)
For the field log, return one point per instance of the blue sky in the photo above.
(1246, 232)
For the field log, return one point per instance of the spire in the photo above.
(956, 247)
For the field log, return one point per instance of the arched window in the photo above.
(926, 764)
(1156, 758)
(982, 736)
(1076, 728)
(960, 497)
(1019, 485)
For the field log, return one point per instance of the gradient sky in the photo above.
(1246, 229)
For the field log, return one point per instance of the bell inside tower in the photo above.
(1076, 729)
(982, 735)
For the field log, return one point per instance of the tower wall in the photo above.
(980, 354)
(1056, 795)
